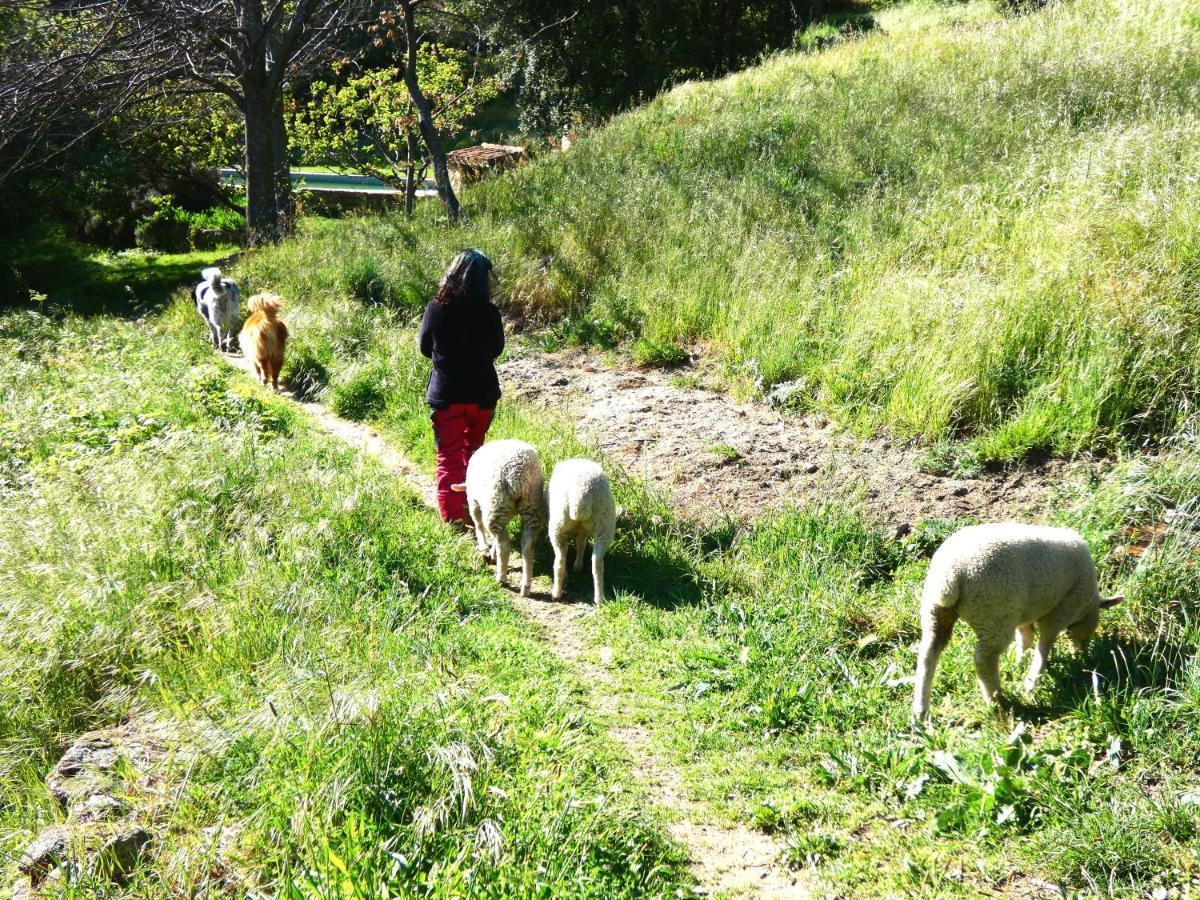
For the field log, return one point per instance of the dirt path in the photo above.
(717, 457)
(725, 860)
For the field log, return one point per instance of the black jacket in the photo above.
(463, 338)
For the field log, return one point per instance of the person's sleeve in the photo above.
(498, 334)
(425, 335)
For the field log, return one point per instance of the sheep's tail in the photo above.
(266, 303)
(941, 591)
(212, 273)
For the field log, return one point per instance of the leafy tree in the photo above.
(91, 60)
(367, 120)
(606, 55)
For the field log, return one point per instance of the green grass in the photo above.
(373, 718)
(961, 225)
(844, 218)
(772, 661)
(50, 269)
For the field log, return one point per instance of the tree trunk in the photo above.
(433, 141)
(285, 202)
(630, 27)
(269, 210)
(410, 187)
(262, 212)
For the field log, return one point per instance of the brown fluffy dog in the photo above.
(263, 337)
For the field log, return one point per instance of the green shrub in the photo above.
(169, 229)
(665, 353)
(165, 228)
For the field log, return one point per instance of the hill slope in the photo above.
(960, 224)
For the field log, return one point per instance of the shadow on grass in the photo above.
(89, 281)
(1120, 667)
(645, 569)
(661, 578)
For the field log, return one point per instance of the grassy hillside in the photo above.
(771, 663)
(959, 225)
(176, 544)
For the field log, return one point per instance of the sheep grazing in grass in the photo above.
(504, 480)
(581, 505)
(217, 300)
(1005, 579)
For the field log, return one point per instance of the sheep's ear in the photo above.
(459, 488)
(1108, 602)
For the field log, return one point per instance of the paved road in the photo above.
(336, 181)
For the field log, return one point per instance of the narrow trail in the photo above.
(724, 859)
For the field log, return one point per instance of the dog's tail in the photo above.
(212, 275)
(266, 303)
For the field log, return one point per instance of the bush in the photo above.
(169, 229)
(650, 352)
(165, 229)
(215, 227)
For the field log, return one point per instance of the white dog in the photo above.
(217, 300)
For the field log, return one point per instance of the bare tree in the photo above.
(88, 60)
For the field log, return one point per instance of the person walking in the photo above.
(463, 334)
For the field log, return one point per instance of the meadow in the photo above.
(353, 705)
(960, 225)
(772, 662)
(964, 228)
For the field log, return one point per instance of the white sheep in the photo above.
(504, 480)
(1004, 579)
(581, 505)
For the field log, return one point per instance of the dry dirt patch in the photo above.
(716, 457)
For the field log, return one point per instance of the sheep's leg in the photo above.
(527, 538)
(1041, 655)
(560, 539)
(501, 547)
(581, 539)
(1025, 639)
(937, 626)
(598, 550)
(987, 668)
(483, 540)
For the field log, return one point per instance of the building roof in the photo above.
(484, 155)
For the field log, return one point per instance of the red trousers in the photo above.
(458, 430)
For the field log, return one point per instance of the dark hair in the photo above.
(466, 279)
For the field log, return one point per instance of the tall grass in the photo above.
(357, 711)
(959, 225)
(371, 711)
(772, 662)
